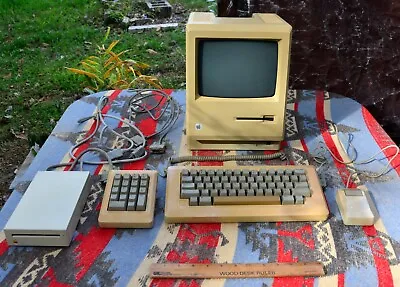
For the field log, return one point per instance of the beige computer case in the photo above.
(237, 124)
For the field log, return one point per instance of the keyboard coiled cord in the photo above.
(180, 159)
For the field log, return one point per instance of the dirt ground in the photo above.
(12, 154)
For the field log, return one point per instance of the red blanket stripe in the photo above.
(377, 248)
(381, 138)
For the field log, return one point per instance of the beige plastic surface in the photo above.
(211, 123)
(177, 210)
(355, 210)
(129, 219)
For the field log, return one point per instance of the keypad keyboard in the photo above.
(129, 199)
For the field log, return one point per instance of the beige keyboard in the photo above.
(129, 199)
(244, 194)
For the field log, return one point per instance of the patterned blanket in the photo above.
(352, 255)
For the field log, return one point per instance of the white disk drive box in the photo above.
(49, 211)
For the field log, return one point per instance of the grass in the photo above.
(40, 38)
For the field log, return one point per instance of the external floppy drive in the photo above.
(49, 211)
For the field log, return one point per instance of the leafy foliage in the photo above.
(108, 70)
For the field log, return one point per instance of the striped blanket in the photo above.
(352, 255)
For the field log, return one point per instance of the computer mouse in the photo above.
(355, 207)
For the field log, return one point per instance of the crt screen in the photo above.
(237, 68)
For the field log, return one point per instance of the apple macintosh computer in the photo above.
(236, 81)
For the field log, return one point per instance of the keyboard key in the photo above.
(114, 196)
(187, 193)
(262, 172)
(204, 201)
(142, 190)
(299, 199)
(300, 184)
(301, 191)
(268, 178)
(125, 182)
(262, 185)
(187, 179)
(220, 172)
(244, 200)
(194, 201)
(277, 192)
(131, 206)
(116, 205)
(211, 172)
(254, 185)
(288, 172)
(268, 192)
(141, 202)
(276, 178)
(241, 192)
(200, 186)
(206, 179)
(287, 199)
(134, 189)
(286, 191)
(209, 185)
(205, 192)
(299, 171)
(132, 198)
(237, 173)
(280, 185)
(223, 192)
(235, 185)
(259, 178)
(245, 185)
(116, 182)
(302, 177)
(227, 185)
(251, 192)
(259, 192)
(289, 185)
(185, 172)
(233, 179)
(193, 172)
(232, 192)
(188, 186)
(218, 185)
(214, 192)
(224, 179)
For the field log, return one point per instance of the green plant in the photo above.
(108, 70)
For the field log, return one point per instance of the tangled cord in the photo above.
(136, 143)
(322, 159)
(180, 159)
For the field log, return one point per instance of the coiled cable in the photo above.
(252, 157)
